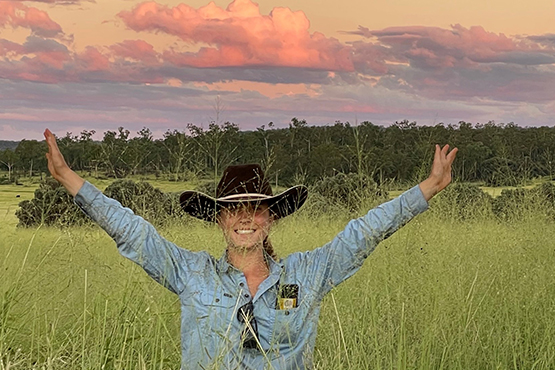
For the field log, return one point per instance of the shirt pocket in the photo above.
(217, 311)
(287, 326)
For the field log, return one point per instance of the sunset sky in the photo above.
(71, 65)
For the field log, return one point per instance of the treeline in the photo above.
(494, 154)
(4, 144)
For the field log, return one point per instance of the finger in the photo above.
(451, 156)
(436, 154)
(51, 141)
(49, 163)
(444, 150)
(48, 135)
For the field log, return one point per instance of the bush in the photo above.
(208, 188)
(351, 192)
(513, 204)
(146, 201)
(543, 197)
(462, 202)
(51, 206)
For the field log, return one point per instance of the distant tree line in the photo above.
(494, 154)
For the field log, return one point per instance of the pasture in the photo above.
(438, 294)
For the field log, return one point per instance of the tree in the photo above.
(178, 146)
(113, 151)
(31, 155)
(218, 144)
(9, 158)
(140, 151)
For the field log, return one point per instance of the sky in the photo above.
(73, 65)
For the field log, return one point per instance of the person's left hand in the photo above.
(440, 175)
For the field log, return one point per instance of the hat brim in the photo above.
(206, 208)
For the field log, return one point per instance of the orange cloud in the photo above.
(93, 60)
(18, 15)
(137, 50)
(241, 36)
(60, 2)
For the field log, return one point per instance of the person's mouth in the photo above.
(245, 231)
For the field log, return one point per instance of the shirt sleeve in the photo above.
(339, 259)
(138, 240)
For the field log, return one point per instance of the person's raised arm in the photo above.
(136, 238)
(58, 167)
(344, 255)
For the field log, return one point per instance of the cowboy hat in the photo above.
(243, 184)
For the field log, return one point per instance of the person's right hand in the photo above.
(58, 167)
(56, 163)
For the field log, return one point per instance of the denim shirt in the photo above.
(211, 290)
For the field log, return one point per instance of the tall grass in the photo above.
(439, 294)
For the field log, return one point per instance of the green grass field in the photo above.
(436, 295)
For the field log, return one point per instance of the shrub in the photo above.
(543, 197)
(208, 188)
(462, 202)
(51, 206)
(351, 192)
(145, 200)
(54, 206)
(512, 204)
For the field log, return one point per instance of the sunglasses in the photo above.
(249, 336)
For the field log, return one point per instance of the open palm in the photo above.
(58, 167)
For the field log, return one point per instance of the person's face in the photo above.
(245, 226)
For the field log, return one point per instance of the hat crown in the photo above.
(243, 179)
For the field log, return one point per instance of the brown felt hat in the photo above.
(243, 184)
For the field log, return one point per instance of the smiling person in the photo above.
(248, 309)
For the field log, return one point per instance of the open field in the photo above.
(436, 295)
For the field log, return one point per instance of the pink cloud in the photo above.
(93, 60)
(18, 117)
(10, 47)
(434, 47)
(137, 50)
(60, 2)
(37, 59)
(241, 36)
(456, 63)
(16, 15)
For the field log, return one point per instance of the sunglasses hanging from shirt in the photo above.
(249, 336)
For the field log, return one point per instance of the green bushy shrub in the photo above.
(514, 204)
(518, 203)
(145, 200)
(54, 206)
(208, 188)
(351, 192)
(51, 206)
(544, 197)
(462, 202)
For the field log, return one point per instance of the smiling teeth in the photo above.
(245, 231)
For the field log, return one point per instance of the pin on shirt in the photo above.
(287, 303)
(288, 297)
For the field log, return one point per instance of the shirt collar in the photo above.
(223, 265)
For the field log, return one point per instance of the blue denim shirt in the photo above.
(211, 290)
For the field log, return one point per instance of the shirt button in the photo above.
(241, 284)
(246, 296)
(217, 300)
(286, 313)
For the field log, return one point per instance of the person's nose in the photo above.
(246, 217)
